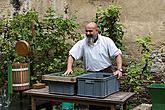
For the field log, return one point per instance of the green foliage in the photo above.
(50, 40)
(12, 30)
(108, 20)
(53, 46)
(2, 78)
(78, 71)
(137, 73)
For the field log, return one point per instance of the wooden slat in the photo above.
(59, 78)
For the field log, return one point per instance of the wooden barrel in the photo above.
(20, 76)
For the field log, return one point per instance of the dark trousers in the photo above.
(107, 70)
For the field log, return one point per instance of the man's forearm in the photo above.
(70, 62)
(119, 61)
(119, 70)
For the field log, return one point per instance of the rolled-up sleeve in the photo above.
(113, 50)
(77, 50)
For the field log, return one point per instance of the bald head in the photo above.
(91, 25)
(91, 29)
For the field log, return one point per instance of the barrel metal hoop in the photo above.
(20, 69)
(23, 84)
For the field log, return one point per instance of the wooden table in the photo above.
(118, 98)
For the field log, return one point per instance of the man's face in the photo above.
(90, 32)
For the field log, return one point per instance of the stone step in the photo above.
(143, 107)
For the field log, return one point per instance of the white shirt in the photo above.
(95, 57)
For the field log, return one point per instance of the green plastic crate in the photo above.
(67, 106)
(157, 93)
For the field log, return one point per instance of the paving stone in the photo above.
(143, 107)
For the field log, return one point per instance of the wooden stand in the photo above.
(119, 98)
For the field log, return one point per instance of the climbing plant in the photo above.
(137, 73)
(108, 21)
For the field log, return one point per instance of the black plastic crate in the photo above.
(98, 85)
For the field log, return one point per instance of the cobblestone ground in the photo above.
(17, 104)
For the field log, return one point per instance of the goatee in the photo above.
(90, 40)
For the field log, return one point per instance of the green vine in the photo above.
(138, 73)
(108, 21)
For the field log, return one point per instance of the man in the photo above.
(95, 50)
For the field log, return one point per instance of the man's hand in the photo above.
(118, 73)
(67, 72)
(69, 66)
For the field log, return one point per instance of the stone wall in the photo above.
(158, 66)
(5, 8)
(142, 17)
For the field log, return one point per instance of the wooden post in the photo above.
(9, 79)
(29, 73)
(33, 103)
(125, 106)
(113, 107)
